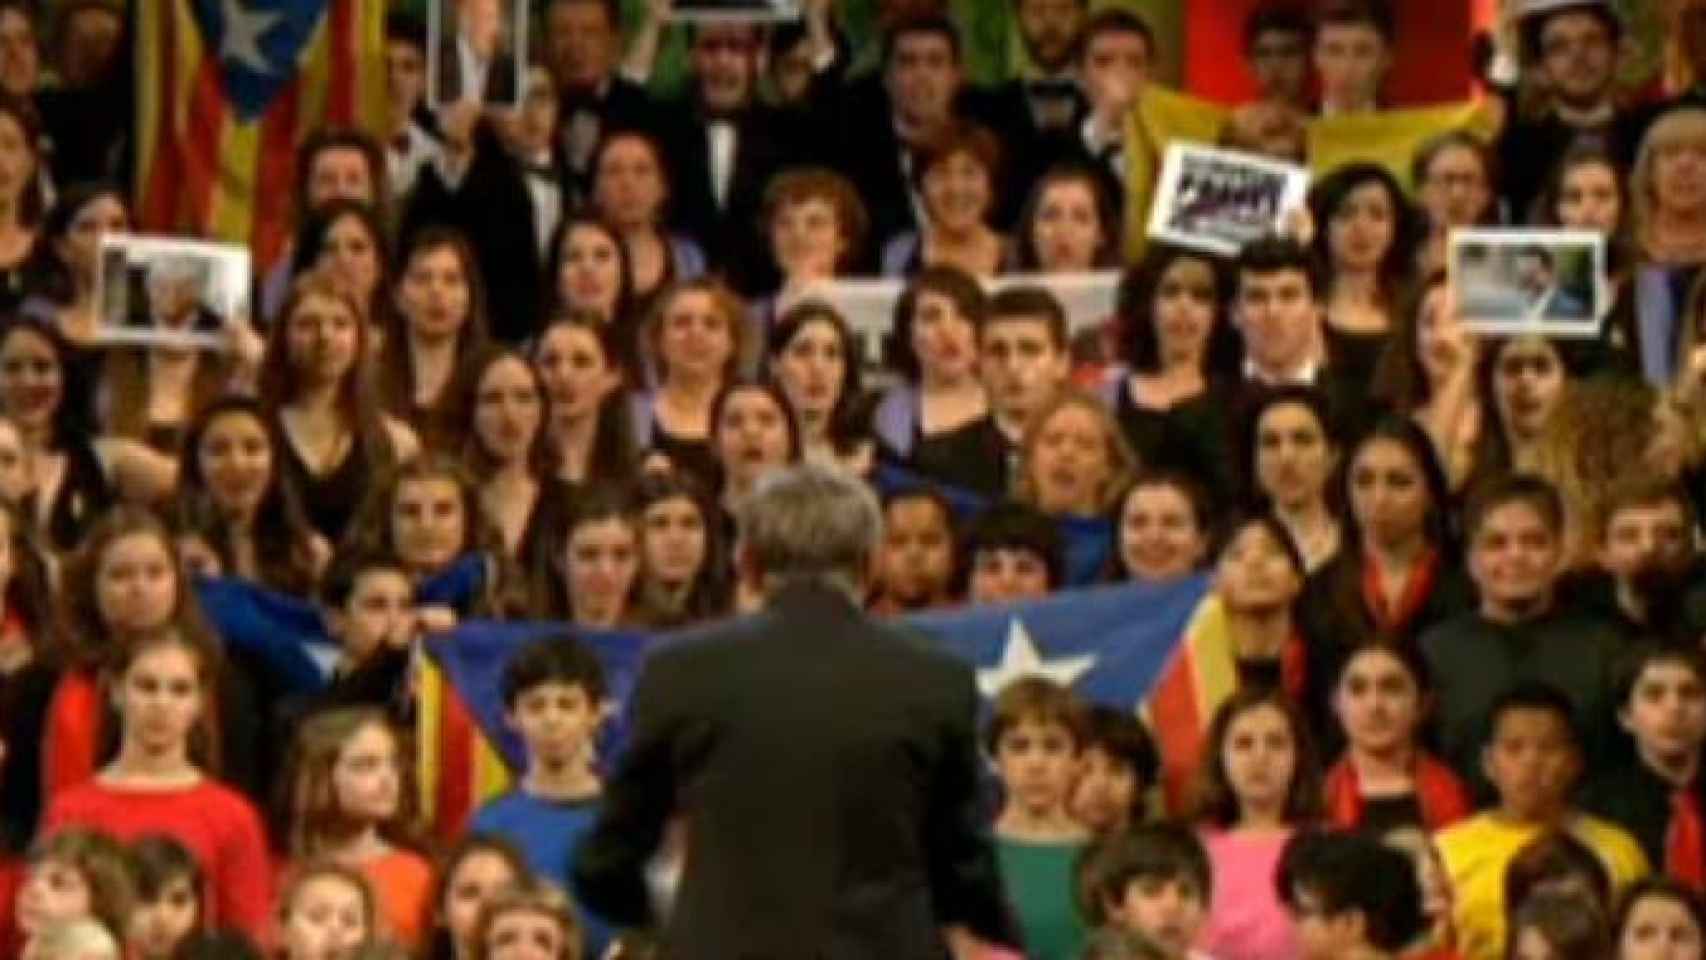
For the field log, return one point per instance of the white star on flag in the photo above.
(1020, 659)
(243, 31)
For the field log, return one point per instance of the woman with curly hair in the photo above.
(1603, 431)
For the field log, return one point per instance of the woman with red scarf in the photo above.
(1384, 780)
(1398, 572)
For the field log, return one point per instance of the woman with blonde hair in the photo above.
(1668, 223)
(1074, 460)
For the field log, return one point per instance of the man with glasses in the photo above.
(1571, 51)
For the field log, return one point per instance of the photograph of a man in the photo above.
(174, 304)
(476, 52)
(1537, 278)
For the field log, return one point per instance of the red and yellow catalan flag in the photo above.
(458, 766)
(226, 91)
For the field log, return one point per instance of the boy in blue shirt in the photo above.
(555, 700)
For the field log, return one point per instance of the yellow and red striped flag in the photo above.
(227, 89)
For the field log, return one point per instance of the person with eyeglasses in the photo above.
(1573, 51)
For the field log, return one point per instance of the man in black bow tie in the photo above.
(583, 43)
(1035, 113)
(724, 146)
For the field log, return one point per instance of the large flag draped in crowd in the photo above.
(1161, 649)
(227, 89)
(1114, 645)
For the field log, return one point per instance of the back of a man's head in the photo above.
(810, 522)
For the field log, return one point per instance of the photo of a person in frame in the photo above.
(476, 54)
(1537, 276)
(173, 289)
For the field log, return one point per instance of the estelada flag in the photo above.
(227, 89)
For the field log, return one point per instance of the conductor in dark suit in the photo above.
(825, 764)
(476, 57)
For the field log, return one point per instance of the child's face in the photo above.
(160, 698)
(326, 920)
(1036, 762)
(1377, 702)
(367, 777)
(1666, 712)
(1660, 927)
(1320, 936)
(524, 935)
(1106, 790)
(1531, 762)
(556, 721)
(1169, 912)
(428, 523)
(1260, 757)
(478, 878)
(379, 613)
(1528, 943)
(917, 552)
(54, 892)
(157, 926)
(1007, 575)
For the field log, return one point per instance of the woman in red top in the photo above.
(161, 782)
(126, 582)
(1384, 780)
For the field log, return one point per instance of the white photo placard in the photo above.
(168, 291)
(1529, 282)
(1218, 200)
(476, 51)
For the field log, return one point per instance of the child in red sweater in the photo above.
(160, 781)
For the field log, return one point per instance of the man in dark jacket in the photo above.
(824, 764)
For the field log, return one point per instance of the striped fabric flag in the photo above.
(227, 89)
(1114, 645)
(1199, 677)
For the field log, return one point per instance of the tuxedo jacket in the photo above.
(826, 767)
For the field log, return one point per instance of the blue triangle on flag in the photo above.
(257, 44)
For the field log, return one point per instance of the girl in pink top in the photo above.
(1259, 784)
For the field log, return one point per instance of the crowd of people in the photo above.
(529, 364)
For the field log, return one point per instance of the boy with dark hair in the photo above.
(1519, 634)
(1035, 734)
(916, 561)
(1279, 311)
(1152, 881)
(1116, 57)
(1022, 357)
(1120, 765)
(1352, 897)
(1354, 40)
(1659, 795)
(555, 699)
(1533, 758)
(1277, 41)
(1012, 553)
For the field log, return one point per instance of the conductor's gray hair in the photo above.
(811, 522)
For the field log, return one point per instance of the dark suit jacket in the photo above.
(500, 75)
(1027, 150)
(729, 233)
(827, 768)
(492, 208)
(621, 105)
